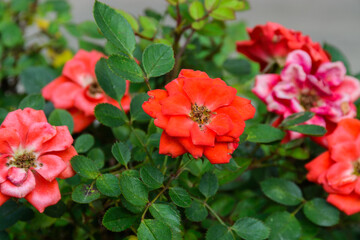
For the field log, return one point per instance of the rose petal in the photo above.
(218, 154)
(318, 166)
(238, 123)
(50, 166)
(17, 176)
(332, 73)
(61, 141)
(38, 134)
(221, 124)
(49, 89)
(219, 96)
(179, 126)
(340, 177)
(202, 136)
(64, 95)
(176, 105)
(45, 194)
(264, 84)
(9, 140)
(195, 151)
(9, 189)
(3, 198)
(66, 157)
(349, 204)
(244, 107)
(170, 146)
(344, 152)
(81, 121)
(350, 86)
(300, 58)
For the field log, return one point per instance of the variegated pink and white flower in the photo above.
(329, 92)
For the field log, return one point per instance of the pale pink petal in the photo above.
(17, 176)
(264, 85)
(350, 86)
(332, 73)
(301, 58)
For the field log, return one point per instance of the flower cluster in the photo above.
(271, 43)
(199, 115)
(78, 91)
(338, 169)
(329, 93)
(32, 155)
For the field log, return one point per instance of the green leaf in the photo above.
(89, 28)
(126, 68)
(98, 156)
(35, 78)
(337, 55)
(84, 142)
(112, 84)
(180, 197)
(321, 213)
(11, 212)
(196, 212)
(308, 129)
(223, 13)
(297, 118)
(209, 184)
(282, 191)
(117, 219)
(56, 211)
(11, 34)
(35, 101)
(109, 115)
(108, 185)
(217, 232)
(263, 133)
(84, 166)
(131, 20)
(121, 152)
(167, 214)
(158, 59)
(283, 225)
(85, 193)
(237, 67)
(211, 4)
(251, 229)
(114, 27)
(3, 114)
(60, 117)
(196, 10)
(133, 190)
(153, 230)
(151, 176)
(136, 110)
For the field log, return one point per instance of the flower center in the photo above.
(200, 114)
(95, 88)
(356, 168)
(25, 160)
(308, 100)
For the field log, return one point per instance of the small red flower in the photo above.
(338, 169)
(32, 155)
(199, 115)
(273, 42)
(78, 91)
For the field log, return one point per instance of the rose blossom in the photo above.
(78, 91)
(199, 115)
(271, 43)
(328, 93)
(32, 155)
(338, 169)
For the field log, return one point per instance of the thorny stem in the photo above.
(166, 187)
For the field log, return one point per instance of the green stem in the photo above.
(166, 187)
(298, 208)
(141, 142)
(111, 168)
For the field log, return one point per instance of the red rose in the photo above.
(273, 42)
(338, 169)
(78, 91)
(32, 155)
(199, 115)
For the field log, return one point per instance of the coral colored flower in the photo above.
(271, 43)
(338, 169)
(329, 93)
(199, 115)
(32, 155)
(78, 91)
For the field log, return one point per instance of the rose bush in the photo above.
(153, 127)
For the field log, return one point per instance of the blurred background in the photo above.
(336, 22)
